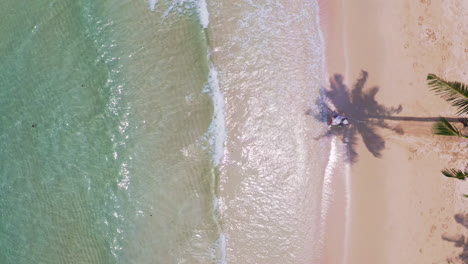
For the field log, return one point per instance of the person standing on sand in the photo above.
(338, 120)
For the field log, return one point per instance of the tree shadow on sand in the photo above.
(366, 115)
(358, 105)
(459, 240)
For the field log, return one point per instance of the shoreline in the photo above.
(401, 205)
(270, 76)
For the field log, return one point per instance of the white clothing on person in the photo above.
(339, 120)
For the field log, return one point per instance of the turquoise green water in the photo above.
(103, 134)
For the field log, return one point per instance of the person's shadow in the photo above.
(459, 240)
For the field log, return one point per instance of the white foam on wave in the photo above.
(221, 243)
(203, 14)
(337, 153)
(183, 6)
(152, 4)
(327, 190)
(347, 210)
(219, 249)
(217, 130)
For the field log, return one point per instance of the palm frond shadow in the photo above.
(459, 240)
(359, 105)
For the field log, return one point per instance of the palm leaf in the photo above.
(455, 93)
(444, 128)
(453, 173)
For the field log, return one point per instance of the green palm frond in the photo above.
(455, 93)
(453, 173)
(444, 128)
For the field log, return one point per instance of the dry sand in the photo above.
(402, 209)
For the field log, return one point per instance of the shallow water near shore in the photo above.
(105, 145)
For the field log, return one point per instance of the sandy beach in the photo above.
(195, 131)
(402, 210)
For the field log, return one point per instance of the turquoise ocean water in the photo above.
(105, 148)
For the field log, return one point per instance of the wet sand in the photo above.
(379, 54)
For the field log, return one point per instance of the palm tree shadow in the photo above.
(358, 105)
(459, 240)
(366, 115)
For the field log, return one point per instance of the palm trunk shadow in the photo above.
(462, 120)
